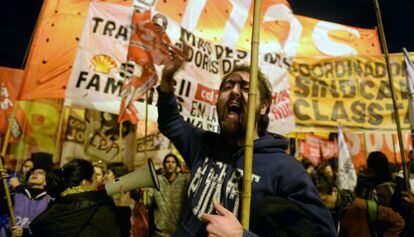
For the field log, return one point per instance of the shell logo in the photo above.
(103, 63)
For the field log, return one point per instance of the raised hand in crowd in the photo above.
(408, 201)
(177, 58)
(17, 231)
(3, 174)
(224, 224)
(124, 199)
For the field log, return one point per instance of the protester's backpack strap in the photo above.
(372, 214)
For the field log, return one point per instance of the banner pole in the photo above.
(120, 141)
(394, 100)
(145, 196)
(248, 152)
(146, 127)
(59, 132)
(411, 93)
(3, 154)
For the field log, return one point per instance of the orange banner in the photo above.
(10, 82)
(54, 48)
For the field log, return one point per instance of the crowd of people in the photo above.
(288, 199)
(379, 205)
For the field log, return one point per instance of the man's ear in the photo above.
(264, 107)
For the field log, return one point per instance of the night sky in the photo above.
(17, 22)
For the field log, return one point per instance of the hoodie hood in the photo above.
(68, 215)
(271, 142)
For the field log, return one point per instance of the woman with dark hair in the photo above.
(79, 209)
(115, 170)
(377, 182)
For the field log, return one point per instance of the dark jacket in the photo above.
(354, 222)
(84, 214)
(375, 188)
(217, 171)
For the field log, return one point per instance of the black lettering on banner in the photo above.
(384, 91)
(339, 112)
(340, 69)
(395, 68)
(390, 107)
(94, 82)
(348, 88)
(81, 78)
(188, 37)
(219, 51)
(113, 87)
(75, 130)
(277, 59)
(96, 21)
(180, 102)
(315, 88)
(122, 32)
(241, 54)
(185, 87)
(304, 69)
(296, 108)
(380, 70)
(369, 71)
(374, 118)
(195, 122)
(358, 109)
(403, 89)
(328, 68)
(302, 84)
(318, 115)
(363, 87)
(109, 27)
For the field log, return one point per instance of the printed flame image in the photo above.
(103, 63)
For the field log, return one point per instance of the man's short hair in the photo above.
(265, 89)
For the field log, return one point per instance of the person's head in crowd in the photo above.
(75, 173)
(42, 165)
(170, 164)
(27, 165)
(377, 164)
(100, 171)
(411, 166)
(324, 179)
(411, 155)
(278, 217)
(160, 22)
(115, 170)
(394, 169)
(232, 103)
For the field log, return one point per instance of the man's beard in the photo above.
(231, 128)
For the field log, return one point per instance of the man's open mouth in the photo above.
(234, 110)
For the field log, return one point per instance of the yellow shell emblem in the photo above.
(103, 63)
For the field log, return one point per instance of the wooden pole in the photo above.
(3, 154)
(146, 127)
(120, 141)
(394, 100)
(59, 133)
(248, 153)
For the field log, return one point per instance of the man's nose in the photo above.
(236, 89)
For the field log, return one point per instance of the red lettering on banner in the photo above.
(206, 94)
(282, 108)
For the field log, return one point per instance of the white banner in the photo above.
(347, 177)
(95, 82)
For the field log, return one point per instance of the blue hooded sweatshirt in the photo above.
(217, 173)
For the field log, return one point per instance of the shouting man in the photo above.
(216, 160)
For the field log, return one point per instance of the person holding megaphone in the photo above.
(79, 208)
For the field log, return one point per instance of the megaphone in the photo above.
(143, 177)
